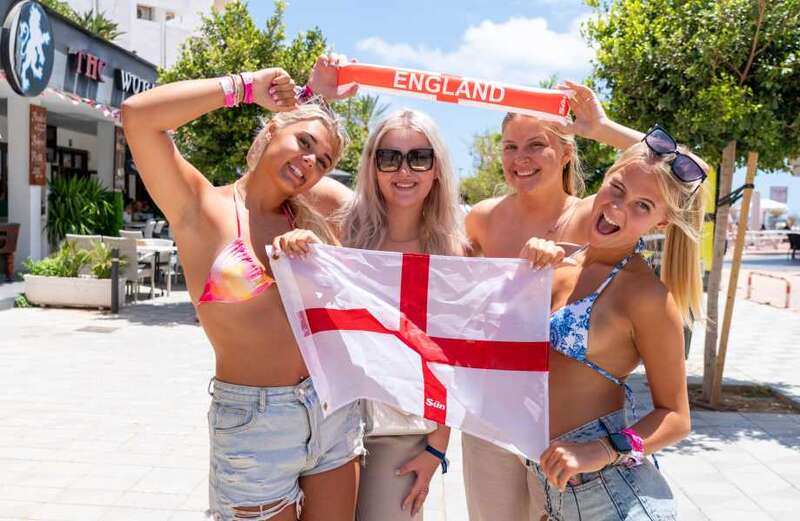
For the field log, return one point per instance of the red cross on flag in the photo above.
(460, 341)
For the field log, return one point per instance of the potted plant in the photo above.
(73, 277)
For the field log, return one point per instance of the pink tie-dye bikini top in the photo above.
(235, 275)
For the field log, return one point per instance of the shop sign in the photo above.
(131, 83)
(88, 65)
(27, 48)
(38, 146)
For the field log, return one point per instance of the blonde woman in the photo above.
(542, 170)
(406, 200)
(270, 445)
(612, 313)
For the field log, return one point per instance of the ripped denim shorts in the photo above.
(615, 493)
(263, 439)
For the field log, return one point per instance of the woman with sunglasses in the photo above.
(272, 452)
(542, 171)
(406, 200)
(612, 313)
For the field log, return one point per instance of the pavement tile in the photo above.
(137, 514)
(64, 512)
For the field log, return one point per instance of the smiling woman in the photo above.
(221, 233)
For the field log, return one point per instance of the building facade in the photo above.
(153, 29)
(60, 93)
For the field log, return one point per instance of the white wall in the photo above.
(80, 141)
(145, 37)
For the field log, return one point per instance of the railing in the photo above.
(787, 282)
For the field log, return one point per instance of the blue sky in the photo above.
(517, 41)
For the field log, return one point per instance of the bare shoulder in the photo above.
(328, 196)
(646, 297)
(478, 219)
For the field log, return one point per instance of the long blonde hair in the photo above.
(680, 261)
(305, 216)
(572, 173)
(364, 221)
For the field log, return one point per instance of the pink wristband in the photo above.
(636, 455)
(229, 90)
(247, 80)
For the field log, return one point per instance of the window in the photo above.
(145, 12)
(170, 15)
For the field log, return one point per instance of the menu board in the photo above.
(38, 146)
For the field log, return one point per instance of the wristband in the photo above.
(226, 83)
(636, 455)
(303, 94)
(237, 86)
(247, 81)
(440, 456)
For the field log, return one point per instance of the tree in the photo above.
(358, 113)
(98, 23)
(488, 180)
(229, 41)
(720, 75)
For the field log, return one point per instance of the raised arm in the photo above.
(174, 184)
(592, 122)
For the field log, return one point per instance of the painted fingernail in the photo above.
(279, 102)
(272, 90)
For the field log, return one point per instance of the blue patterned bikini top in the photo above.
(569, 328)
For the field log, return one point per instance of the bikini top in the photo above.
(569, 328)
(235, 276)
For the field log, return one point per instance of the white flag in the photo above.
(461, 341)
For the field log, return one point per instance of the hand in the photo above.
(562, 460)
(323, 78)
(541, 253)
(589, 112)
(273, 89)
(424, 466)
(294, 243)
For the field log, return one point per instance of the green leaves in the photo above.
(709, 71)
(96, 23)
(229, 41)
(70, 261)
(82, 206)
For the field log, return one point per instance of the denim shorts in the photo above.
(263, 439)
(614, 493)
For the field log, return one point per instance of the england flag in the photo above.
(461, 341)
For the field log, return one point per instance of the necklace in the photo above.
(563, 219)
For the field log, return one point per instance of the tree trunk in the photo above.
(714, 278)
(744, 217)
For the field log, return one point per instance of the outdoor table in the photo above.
(143, 247)
(135, 225)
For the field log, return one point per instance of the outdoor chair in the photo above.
(8, 246)
(137, 267)
(159, 228)
(163, 261)
(148, 229)
(794, 243)
(131, 234)
(84, 242)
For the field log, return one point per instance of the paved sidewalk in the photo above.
(104, 419)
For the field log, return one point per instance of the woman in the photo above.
(270, 446)
(406, 200)
(611, 313)
(542, 169)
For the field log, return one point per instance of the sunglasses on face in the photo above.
(418, 159)
(684, 167)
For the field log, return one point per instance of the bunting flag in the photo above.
(460, 341)
(543, 103)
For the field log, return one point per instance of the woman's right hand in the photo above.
(294, 243)
(273, 89)
(541, 253)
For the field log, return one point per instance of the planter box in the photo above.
(80, 292)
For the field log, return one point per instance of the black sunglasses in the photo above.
(418, 159)
(683, 167)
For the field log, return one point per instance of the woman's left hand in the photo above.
(323, 78)
(590, 115)
(424, 466)
(563, 460)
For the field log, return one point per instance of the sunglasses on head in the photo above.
(684, 167)
(390, 160)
